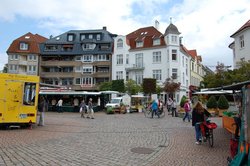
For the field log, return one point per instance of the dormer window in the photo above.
(23, 46)
(83, 37)
(90, 36)
(119, 43)
(156, 42)
(139, 44)
(98, 37)
(70, 37)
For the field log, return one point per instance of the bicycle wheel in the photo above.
(147, 113)
(162, 114)
(210, 137)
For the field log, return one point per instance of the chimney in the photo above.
(157, 24)
(180, 40)
(104, 28)
(50, 36)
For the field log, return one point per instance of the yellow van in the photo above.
(18, 99)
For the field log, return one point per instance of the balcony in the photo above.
(101, 63)
(60, 63)
(57, 74)
(101, 74)
(134, 67)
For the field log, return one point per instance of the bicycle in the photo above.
(208, 129)
(148, 112)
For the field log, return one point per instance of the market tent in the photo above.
(210, 92)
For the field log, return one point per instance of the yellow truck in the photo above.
(18, 99)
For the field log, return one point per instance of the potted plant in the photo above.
(212, 105)
(223, 104)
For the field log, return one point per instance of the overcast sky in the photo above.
(205, 25)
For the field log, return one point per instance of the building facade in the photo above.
(147, 53)
(241, 45)
(24, 53)
(77, 59)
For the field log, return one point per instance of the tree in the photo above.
(5, 68)
(149, 85)
(223, 102)
(118, 85)
(183, 100)
(131, 87)
(212, 103)
(105, 86)
(170, 86)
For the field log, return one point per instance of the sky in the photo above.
(205, 25)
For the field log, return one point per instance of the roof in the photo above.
(236, 86)
(193, 53)
(146, 35)
(32, 40)
(171, 29)
(245, 26)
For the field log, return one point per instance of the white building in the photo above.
(147, 53)
(241, 45)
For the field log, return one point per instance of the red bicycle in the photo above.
(207, 131)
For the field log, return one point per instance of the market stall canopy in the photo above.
(211, 92)
(236, 86)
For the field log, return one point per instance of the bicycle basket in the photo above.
(212, 125)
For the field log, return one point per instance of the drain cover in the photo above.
(142, 150)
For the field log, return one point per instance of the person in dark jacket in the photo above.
(199, 115)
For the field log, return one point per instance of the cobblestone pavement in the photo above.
(111, 140)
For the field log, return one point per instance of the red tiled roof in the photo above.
(32, 41)
(193, 53)
(246, 25)
(146, 35)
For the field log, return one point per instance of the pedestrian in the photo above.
(199, 115)
(187, 109)
(59, 104)
(83, 108)
(90, 109)
(154, 107)
(42, 107)
(169, 104)
(173, 107)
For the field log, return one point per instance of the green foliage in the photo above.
(5, 68)
(223, 102)
(118, 85)
(131, 87)
(149, 85)
(212, 103)
(158, 89)
(105, 86)
(110, 110)
(183, 99)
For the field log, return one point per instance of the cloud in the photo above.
(205, 25)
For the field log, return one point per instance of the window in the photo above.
(87, 70)
(119, 59)
(98, 37)
(101, 57)
(90, 36)
(104, 47)
(174, 73)
(183, 61)
(78, 69)
(87, 80)
(29, 93)
(78, 81)
(138, 77)
(157, 57)
(88, 46)
(31, 69)
(51, 47)
(167, 55)
(174, 39)
(139, 44)
(67, 81)
(87, 58)
(119, 75)
(32, 57)
(13, 68)
(157, 74)
(127, 76)
(242, 43)
(139, 60)
(156, 42)
(119, 43)
(78, 58)
(127, 58)
(174, 55)
(70, 37)
(183, 78)
(192, 66)
(82, 37)
(23, 46)
(14, 57)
